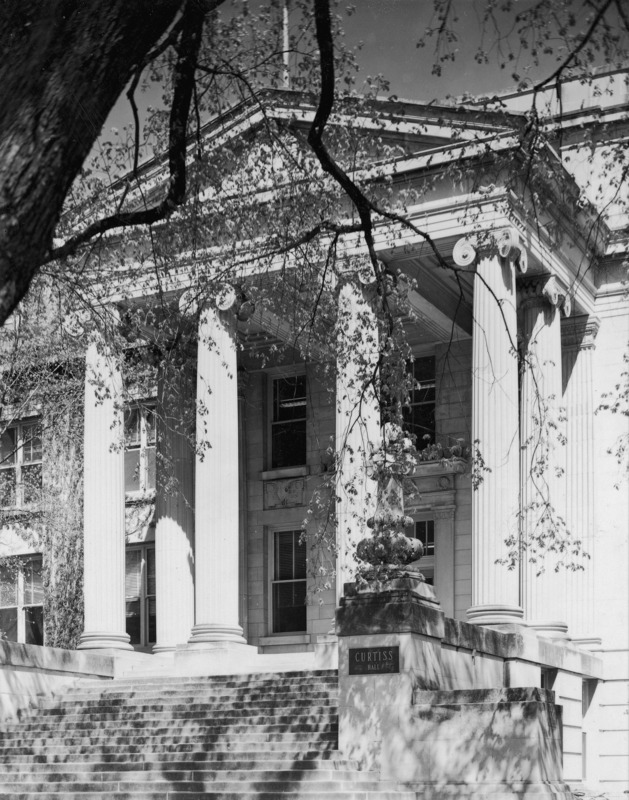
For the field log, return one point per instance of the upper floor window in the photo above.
(419, 413)
(288, 584)
(21, 464)
(139, 457)
(22, 600)
(288, 422)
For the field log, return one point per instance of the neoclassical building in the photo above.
(513, 347)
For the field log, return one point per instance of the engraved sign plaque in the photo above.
(374, 660)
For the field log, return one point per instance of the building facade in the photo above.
(513, 351)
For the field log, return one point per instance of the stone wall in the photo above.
(29, 673)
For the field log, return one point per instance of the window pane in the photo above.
(132, 470)
(152, 621)
(7, 487)
(149, 417)
(133, 573)
(288, 445)
(31, 443)
(31, 483)
(289, 398)
(133, 625)
(150, 571)
(8, 443)
(300, 556)
(8, 624)
(284, 556)
(132, 427)
(150, 468)
(34, 620)
(33, 586)
(289, 607)
(8, 585)
(425, 532)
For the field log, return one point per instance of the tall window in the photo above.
(21, 464)
(140, 595)
(21, 600)
(289, 582)
(139, 457)
(288, 423)
(419, 413)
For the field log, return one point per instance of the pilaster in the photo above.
(104, 502)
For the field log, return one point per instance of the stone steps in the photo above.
(261, 736)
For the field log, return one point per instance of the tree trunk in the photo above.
(64, 63)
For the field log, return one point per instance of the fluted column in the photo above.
(495, 588)
(243, 559)
(216, 483)
(542, 457)
(104, 503)
(357, 423)
(174, 532)
(579, 337)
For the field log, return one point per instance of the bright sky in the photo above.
(389, 30)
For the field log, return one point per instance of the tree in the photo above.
(288, 195)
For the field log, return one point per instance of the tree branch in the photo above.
(187, 48)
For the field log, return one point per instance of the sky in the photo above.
(389, 31)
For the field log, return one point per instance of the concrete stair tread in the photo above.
(263, 736)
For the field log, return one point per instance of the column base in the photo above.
(550, 629)
(164, 649)
(215, 658)
(104, 640)
(210, 632)
(493, 615)
(588, 642)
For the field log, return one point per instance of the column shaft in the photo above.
(580, 495)
(495, 589)
(357, 425)
(216, 484)
(174, 532)
(104, 504)
(542, 454)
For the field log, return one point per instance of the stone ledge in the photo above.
(401, 611)
(55, 660)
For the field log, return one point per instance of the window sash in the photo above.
(288, 422)
(20, 464)
(140, 448)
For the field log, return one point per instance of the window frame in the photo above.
(272, 581)
(21, 605)
(407, 408)
(144, 408)
(274, 375)
(144, 597)
(428, 562)
(19, 463)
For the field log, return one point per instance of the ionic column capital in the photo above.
(579, 333)
(539, 290)
(504, 242)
